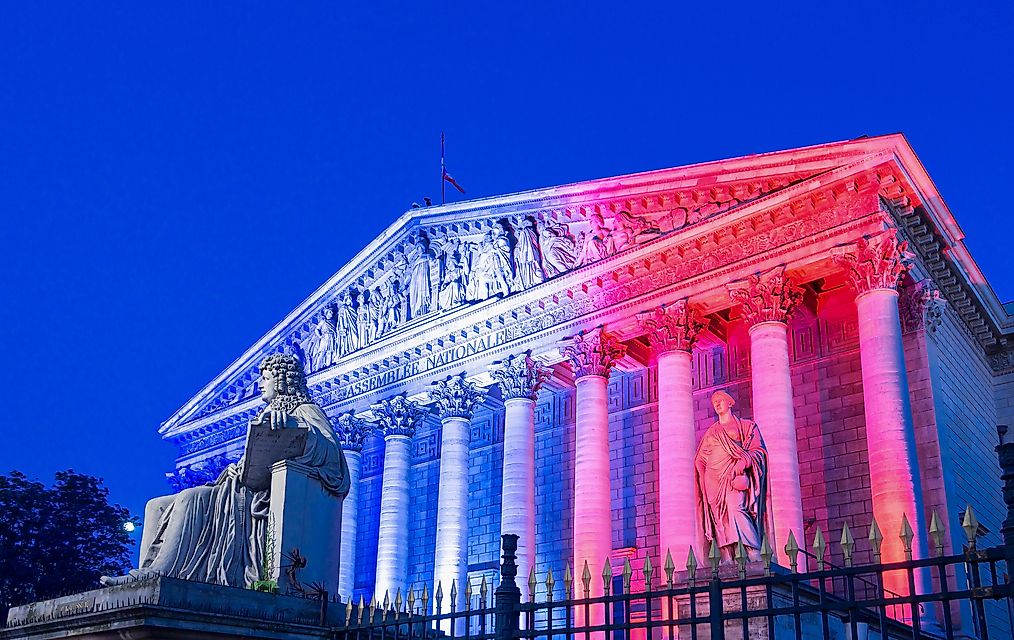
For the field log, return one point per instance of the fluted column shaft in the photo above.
(450, 564)
(392, 540)
(520, 378)
(672, 331)
(592, 356)
(774, 414)
(396, 419)
(350, 524)
(875, 266)
(456, 399)
(769, 300)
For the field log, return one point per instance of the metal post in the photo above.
(1005, 451)
(508, 595)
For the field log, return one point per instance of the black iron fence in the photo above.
(941, 596)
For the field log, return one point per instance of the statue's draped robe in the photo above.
(726, 514)
(419, 283)
(346, 326)
(558, 250)
(324, 345)
(216, 533)
(526, 257)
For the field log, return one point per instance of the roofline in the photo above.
(895, 143)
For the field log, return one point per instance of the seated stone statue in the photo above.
(216, 533)
(731, 477)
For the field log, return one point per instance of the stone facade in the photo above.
(840, 256)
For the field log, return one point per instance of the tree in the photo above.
(60, 539)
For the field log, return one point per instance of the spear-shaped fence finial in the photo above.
(766, 553)
(792, 550)
(691, 565)
(532, 583)
(648, 571)
(971, 526)
(936, 532)
(848, 543)
(907, 535)
(714, 557)
(568, 583)
(670, 568)
(627, 572)
(876, 538)
(586, 580)
(819, 547)
(550, 583)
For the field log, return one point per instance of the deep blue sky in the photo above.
(174, 180)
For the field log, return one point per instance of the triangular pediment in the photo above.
(436, 260)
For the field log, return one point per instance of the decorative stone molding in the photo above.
(920, 307)
(593, 353)
(351, 431)
(520, 376)
(456, 397)
(397, 416)
(767, 297)
(673, 327)
(876, 262)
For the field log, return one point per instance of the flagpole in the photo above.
(443, 172)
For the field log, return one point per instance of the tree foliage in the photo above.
(60, 539)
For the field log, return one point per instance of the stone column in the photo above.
(396, 420)
(592, 355)
(768, 301)
(875, 266)
(351, 432)
(456, 399)
(520, 379)
(672, 332)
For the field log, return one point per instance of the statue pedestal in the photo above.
(306, 517)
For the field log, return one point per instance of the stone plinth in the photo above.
(306, 517)
(168, 608)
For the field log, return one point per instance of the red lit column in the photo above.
(592, 355)
(520, 379)
(768, 301)
(672, 332)
(875, 265)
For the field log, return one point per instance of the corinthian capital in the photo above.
(767, 297)
(673, 327)
(456, 397)
(351, 431)
(397, 416)
(520, 376)
(593, 353)
(877, 262)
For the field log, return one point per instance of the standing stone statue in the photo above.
(731, 476)
(419, 286)
(597, 243)
(363, 318)
(323, 347)
(526, 256)
(346, 326)
(216, 533)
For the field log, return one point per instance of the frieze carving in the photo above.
(351, 431)
(673, 327)
(875, 262)
(456, 397)
(593, 353)
(920, 307)
(437, 269)
(397, 416)
(767, 297)
(826, 209)
(520, 376)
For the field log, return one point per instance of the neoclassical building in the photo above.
(542, 363)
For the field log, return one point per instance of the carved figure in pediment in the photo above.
(559, 250)
(378, 314)
(363, 319)
(631, 230)
(471, 254)
(216, 532)
(396, 304)
(495, 264)
(452, 288)
(323, 343)
(346, 325)
(527, 256)
(596, 243)
(420, 260)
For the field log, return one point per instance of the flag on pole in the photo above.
(454, 183)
